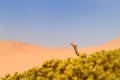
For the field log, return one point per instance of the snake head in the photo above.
(73, 44)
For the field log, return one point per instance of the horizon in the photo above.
(58, 23)
(12, 42)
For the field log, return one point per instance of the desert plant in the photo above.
(102, 65)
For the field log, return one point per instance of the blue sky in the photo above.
(55, 23)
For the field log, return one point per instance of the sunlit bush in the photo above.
(104, 65)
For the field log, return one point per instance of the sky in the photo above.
(56, 23)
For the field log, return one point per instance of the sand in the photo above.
(18, 56)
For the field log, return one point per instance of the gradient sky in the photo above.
(55, 23)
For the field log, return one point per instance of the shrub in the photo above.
(104, 65)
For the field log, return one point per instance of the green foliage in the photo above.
(104, 65)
